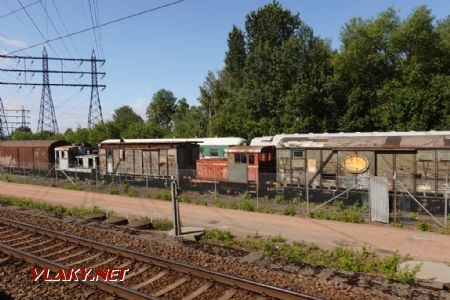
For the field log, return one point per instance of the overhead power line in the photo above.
(19, 9)
(101, 25)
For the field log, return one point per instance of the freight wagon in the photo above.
(36, 155)
(413, 162)
(157, 158)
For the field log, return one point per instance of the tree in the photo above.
(141, 130)
(162, 108)
(101, 132)
(236, 56)
(191, 124)
(79, 136)
(125, 116)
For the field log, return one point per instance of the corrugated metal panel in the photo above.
(379, 199)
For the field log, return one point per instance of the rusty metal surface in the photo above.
(33, 144)
(215, 169)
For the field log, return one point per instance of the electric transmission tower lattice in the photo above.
(95, 108)
(47, 118)
(4, 131)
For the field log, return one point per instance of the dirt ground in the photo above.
(326, 234)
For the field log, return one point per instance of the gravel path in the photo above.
(319, 281)
(326, 234)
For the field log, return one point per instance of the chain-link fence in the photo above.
(346, 198)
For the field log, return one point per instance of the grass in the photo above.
(162, 224)
(353, 214)
(57, 210)
(289, 211)
(74, 187)
(424, 226)
(363, 260)
(163, 195)
(113, 191)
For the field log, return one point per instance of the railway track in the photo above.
(150, 277)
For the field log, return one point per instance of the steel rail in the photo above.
(226, 279)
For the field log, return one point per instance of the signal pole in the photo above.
(95, 108)
(47, 116)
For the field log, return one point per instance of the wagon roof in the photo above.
(245, 149)
(151, 141)
(33, 143)
(220, 141)
(368, 140)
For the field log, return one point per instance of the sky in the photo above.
(171, 48)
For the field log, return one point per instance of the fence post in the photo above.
(395, 195)
(307, 192)
(446, 201)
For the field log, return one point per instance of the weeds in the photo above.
(279, 199)
(74, 187)
(424, 226)
(162, 224)
(113, 191)
(363, 260)
(289, 211)
(57, 210)
(162, 195)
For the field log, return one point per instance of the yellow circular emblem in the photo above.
(356, 164)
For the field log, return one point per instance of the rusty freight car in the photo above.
(156, 158)
(413, 162)
(31, 155)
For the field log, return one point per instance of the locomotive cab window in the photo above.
(240, 158)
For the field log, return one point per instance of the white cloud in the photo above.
(139, 105)
(12, 43)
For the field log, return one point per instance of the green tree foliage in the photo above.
(101, 132)
(162, 108)
(389, 74)
(124, 117)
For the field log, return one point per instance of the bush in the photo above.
(424, 226)
(289, 211)
(113, 191)
(279, 199)
(247, 205)
(246, 196)
(184, 199)
(223, 236)
(163, 195)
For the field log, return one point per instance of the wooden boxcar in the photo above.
(420, 161)
(163, 158)
(33, 154)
